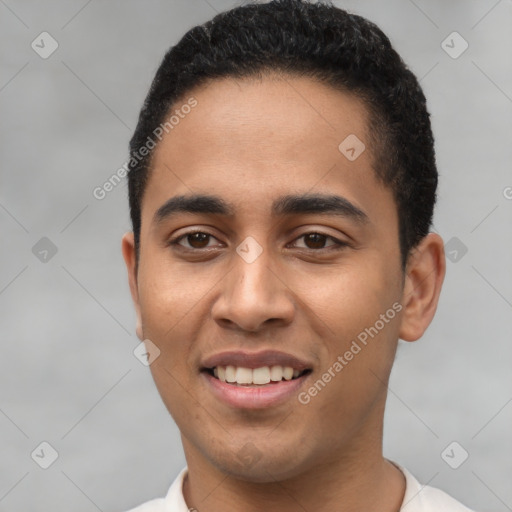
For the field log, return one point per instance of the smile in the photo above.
(240, 376)
(251, 395)
(254, 380)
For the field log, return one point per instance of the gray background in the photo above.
(68, 373)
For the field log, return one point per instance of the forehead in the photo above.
(251, 138)
(281, 117)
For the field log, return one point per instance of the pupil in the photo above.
(316, 240)
(199, 239)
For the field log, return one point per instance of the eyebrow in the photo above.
(282, 206)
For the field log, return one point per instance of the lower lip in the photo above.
(254, 397)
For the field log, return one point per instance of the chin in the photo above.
(259, 466)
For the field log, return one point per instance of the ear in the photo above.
(426, 267)
(128, 248)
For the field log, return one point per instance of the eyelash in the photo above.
(338, 245)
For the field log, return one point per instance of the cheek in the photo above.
(167, 294)
(353, 305)
(168, 304)
(347, 297)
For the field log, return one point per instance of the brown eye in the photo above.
(315, 240)
(194, 240)
(198, 240)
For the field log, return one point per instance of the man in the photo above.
(282, 184)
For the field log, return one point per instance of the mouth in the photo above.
(254, 380)
(255, 377)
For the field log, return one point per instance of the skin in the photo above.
(249, 142)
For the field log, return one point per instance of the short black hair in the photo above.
(323, 42)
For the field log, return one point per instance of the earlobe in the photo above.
(426, 267)
(138, 330)
(128, 249)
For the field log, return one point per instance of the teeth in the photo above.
(276, 373)
(261, 375)
(230, 374)
(243, 375)
(258, 376)
(288, 372)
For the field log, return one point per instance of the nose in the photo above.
(253, 296)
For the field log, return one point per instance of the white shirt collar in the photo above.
(417, 497)
(174, 500)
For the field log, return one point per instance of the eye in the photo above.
(317, 241)
(194, 240)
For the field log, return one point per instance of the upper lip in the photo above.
(254, 360)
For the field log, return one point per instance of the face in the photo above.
(262, 274)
